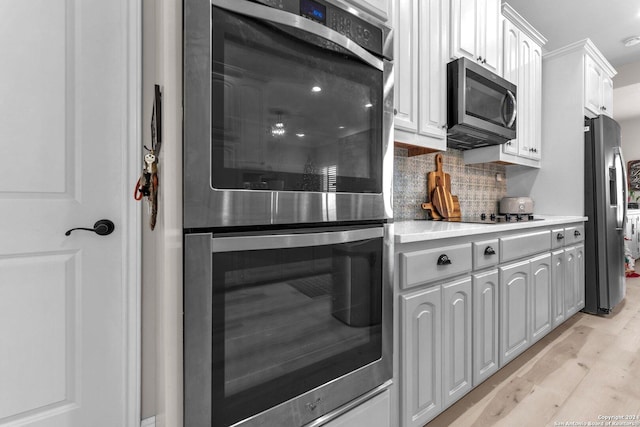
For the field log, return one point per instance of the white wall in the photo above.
(628, 74)
(162, 247)
(630, 134)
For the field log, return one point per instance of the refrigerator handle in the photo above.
(622, 189)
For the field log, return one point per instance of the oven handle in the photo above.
(270, 14)
(284, 241)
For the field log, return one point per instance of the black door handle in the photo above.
(489, 251)
(102, 227)
(443, 260)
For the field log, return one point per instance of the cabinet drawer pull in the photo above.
(444, 260)
(576, 233)
(560, 236)
(489, 251)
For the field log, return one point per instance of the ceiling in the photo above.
(607, 23)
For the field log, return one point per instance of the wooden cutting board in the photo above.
(442, 199)
(447, 202)
(431, 176)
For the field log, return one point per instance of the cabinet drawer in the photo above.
(522, 245)
(485, 253)
(424, 266)
(574, 234)
(558, 238)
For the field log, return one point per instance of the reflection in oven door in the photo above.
(285, 314)
(291, 124)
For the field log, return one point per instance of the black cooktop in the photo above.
(494, 218)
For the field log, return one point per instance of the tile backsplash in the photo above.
(475, 185)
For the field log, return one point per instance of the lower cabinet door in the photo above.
(457, 351)
(541, 308)
(485, 325)
(421, 360)
(514, 310)
(579, 277)
(570, 283)
(558, 265)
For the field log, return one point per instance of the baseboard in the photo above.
(148, 422)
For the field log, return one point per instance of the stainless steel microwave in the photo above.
(481, 107)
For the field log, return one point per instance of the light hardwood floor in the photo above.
(586, 369)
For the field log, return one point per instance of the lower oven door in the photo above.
(283, 328)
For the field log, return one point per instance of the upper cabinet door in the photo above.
(535, 115)
(607, 96)
(405, 17)
(511, 66)
(464, 29)
(476, 32)
(492, 34)
(381, 9)
(433, 53)
(593, 76)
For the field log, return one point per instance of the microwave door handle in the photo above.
(265, 13)
(281, 241)
(508, 121)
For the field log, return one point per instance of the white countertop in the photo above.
(419, 230)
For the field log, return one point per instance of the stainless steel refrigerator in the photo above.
(606, 207)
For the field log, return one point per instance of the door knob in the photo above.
(102, 227)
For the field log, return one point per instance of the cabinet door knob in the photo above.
(560, 236)
(576, 233)
(489, 251)
(479, 59)
(444, 260)
(395, 111)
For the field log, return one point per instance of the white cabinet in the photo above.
(515, 306)
(522, 65)
(485, 325)
(525, 304)
(558, 268)
(436, 349)
(380, 9)
(541, 297)
(476, 32)
(574, 272)
(567, 273)
(460, 322)
(456, 337)
(598, 90)
(421, 356)
(579, 276)
(420, 46)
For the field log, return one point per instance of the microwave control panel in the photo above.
(349, 25)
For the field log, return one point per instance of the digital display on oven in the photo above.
(313, 10)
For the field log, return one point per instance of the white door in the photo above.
(67, 303)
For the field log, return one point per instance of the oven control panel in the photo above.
(349, 25)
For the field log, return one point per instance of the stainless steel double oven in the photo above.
(288, 158)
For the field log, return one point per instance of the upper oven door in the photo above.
(287, 121)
